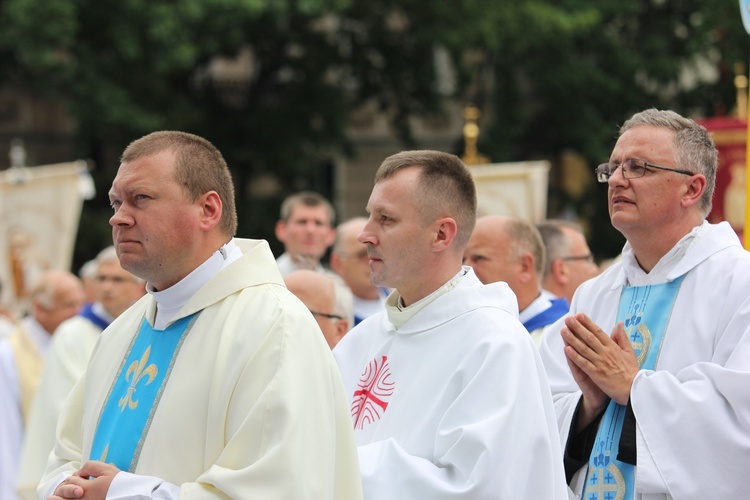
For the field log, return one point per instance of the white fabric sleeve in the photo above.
(131, 487)
(54, 484)
(11, 423)
(136, 487)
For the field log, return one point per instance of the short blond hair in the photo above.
(199, 168)
(446, 187)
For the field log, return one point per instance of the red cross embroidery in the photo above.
(373, 391)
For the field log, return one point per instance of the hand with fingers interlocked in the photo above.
(91, 481)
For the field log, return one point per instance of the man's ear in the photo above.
(335, 261)
(694, 190)
(527, 267)
(280, 231)
(445, 232)
(330, 237)
(342, 326)
(211, 209)
(560, 271)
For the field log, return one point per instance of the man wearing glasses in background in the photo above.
(328, 299)
(569, 261)
(649, 372)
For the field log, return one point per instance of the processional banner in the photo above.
(515, 189)
(40, 208)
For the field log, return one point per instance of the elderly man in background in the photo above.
(74, 340)
(55, 296)
(328, 299)
(306, 230)
(349, 260)
(509, 249)
(569, 261)
(87, 274)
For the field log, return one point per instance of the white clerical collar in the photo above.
(636, 276)
(538, 305)
(171, 300)
(398, 314)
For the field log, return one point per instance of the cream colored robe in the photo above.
(254, 407)
(66, 361)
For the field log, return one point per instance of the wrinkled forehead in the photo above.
(645, 142)
(151, 170)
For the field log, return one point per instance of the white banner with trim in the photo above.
(40, 209)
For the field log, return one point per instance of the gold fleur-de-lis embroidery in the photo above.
(644, 346)
(103, 458)
(135, 373)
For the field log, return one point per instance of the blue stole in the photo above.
(126, 416)
(557, 310)
(88, 313)
(645, 313)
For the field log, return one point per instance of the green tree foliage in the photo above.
(587, 66)
(549, 76)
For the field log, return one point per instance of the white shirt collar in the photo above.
(399, 315)
(636, 276)
(539, 304)
(171, 300)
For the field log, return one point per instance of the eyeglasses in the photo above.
(117, 280)
(631, 169)
(326, 315)
(588, 258)
(361, 255)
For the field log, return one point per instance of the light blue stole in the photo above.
(135, 393)
(645, 313)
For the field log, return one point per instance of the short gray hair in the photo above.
(524, 237)
(556, 244)
(343, 299)
(342, 229)
(694, 150)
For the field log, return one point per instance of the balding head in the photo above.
(56, 296)
(327, 298)
(349, 259)
(508, 249)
